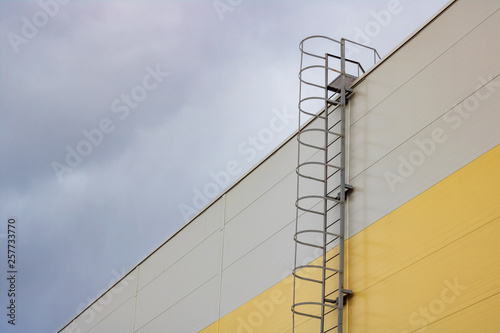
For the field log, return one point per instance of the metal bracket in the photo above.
(348, 188)
(347, 293)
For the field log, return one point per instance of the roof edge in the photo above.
(404, 42)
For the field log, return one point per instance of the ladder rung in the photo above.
(334, 173)
(332, 293)
(331, 275)
(334, 156)
(331, 224)
(329, 209)
(338, 122)
(334, 327)
(333, 240)
(332, 257)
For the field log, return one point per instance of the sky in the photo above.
(120, 120)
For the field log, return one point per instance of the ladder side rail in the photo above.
(340, 303)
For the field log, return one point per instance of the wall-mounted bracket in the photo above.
(348, 189)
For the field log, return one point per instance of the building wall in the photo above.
(431, 263)
(423, 220)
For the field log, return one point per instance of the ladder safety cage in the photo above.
(325, 85)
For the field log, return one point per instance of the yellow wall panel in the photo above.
(450, 280)
(214, 328)
(401, 263)
(268, 312)
(453, 208)
(484, 313)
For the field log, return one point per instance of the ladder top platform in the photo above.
(336, 85)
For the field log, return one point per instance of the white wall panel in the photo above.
(121, 320)
(260, 180)
(107, 303)
(264, 217)
(172, 251)
(427, 96)
(191, 314)
(458, 20)
(459, 144)
(258, 270)
(265, 176)
(179, 280)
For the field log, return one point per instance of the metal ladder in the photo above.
(319, 294)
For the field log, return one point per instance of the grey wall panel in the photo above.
(192, 235)
(182, 278)
(427, 96)
(121, 320)
(435, 39)
(196, 311)
(419, 163)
